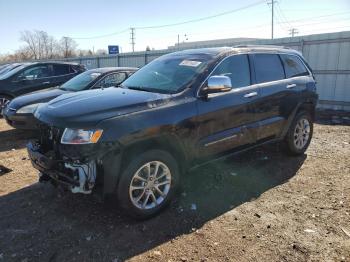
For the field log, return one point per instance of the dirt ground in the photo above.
(259, 206)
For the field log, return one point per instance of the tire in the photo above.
(134, 184)
(299, 135)
(4, 100)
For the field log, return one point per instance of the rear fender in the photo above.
(307, 106)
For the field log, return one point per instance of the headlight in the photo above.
(80, 136)
(30, 109)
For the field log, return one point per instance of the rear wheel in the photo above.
(148, 184)
(299, 134)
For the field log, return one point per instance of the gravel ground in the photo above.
(259, 206)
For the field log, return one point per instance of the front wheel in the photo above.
(299, 134)
(148, 184)
(4, 100)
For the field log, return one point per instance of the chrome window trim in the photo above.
(254, 52)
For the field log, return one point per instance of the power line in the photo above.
(316, 17)
(202, 18)
(279, 9)
(173, 24)
(323, 22)
(100, 36)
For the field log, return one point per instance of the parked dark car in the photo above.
(31, 77)
(8, 67)
(19, 112)
(179, 111)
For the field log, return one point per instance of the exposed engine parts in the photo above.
(85, 174)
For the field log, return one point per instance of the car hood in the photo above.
(87, 108)
(42, 96)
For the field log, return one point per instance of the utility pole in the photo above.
(272, 3)
(272, 15)
(293, 31)
(178, 41)
(132, 38)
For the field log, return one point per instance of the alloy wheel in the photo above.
(301, 133)
(150, 185)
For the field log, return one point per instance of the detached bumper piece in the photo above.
(78, 177)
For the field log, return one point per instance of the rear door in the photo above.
(61, 73)
(270, 76)
(226, 120)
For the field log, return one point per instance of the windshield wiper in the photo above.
(142, 88)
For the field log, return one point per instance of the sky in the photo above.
(86, 19)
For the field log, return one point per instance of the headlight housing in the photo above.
(29, 109)
(81, 136)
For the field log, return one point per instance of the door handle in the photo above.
(291, 86)
(45, 83)
(251, 94)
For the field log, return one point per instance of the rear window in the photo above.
(293, 66)
(61, 69)
(268, 67)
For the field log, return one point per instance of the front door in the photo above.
(226, 120)
(32, 79)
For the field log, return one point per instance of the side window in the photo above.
(35, 72)
(111, 80)
(293, 66)
(60, 70)
(268, 68)
(237, 68)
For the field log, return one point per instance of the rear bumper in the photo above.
(21, 121)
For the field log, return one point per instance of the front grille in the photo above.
(50, 137)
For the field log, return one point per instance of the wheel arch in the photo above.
(166, 143)
(7, 94)
(308, 106)
(115, 163)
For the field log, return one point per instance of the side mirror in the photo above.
(217, 84)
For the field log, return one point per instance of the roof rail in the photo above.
(262, 46)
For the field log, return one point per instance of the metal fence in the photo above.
(328, 55)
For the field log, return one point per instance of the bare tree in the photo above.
(30, 39)
(101, 52)
(39, 44)
(67, 46)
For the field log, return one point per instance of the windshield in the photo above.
(10, 70)
(167, 74)
(81, 81)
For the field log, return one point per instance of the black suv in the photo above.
(181, 110)
(30, 77)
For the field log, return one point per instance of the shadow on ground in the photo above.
(40, 223)
(7, 141)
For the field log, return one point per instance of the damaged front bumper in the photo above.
(77, 176)
(90, 168)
